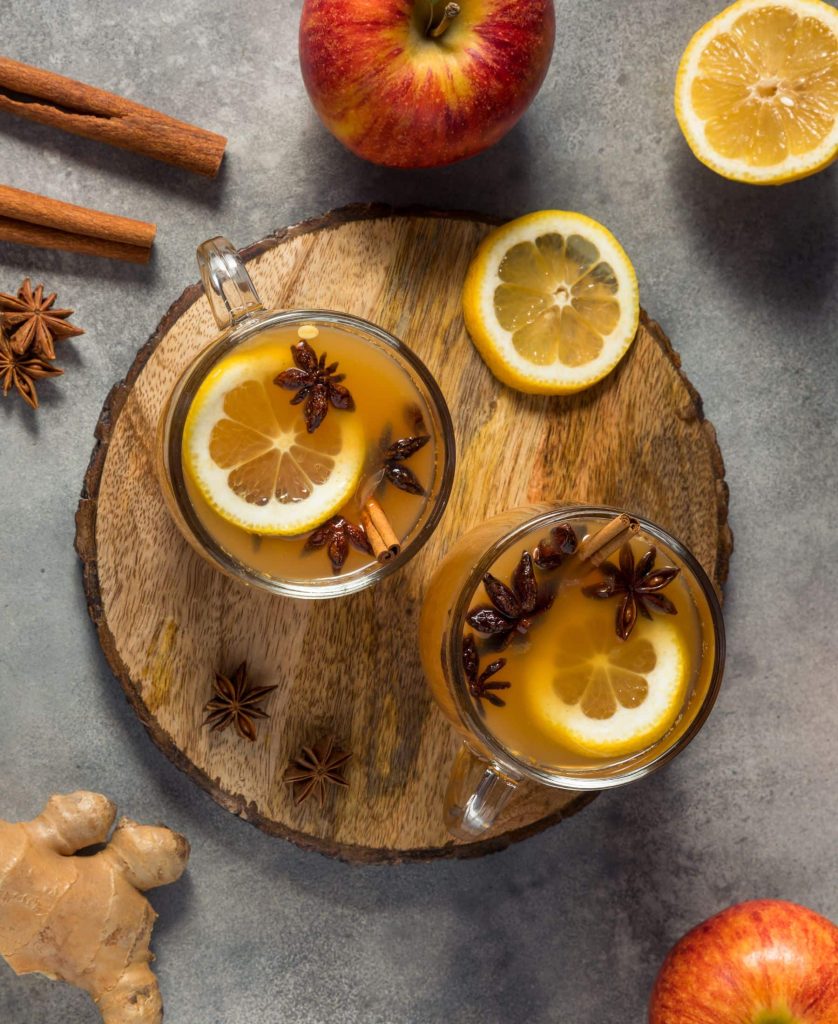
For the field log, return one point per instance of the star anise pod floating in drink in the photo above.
(31, 322)
(336, 535)
(638, 585)
(316, 768)
(235, 701)
(21, 371)
(512, 609)
(479, 684)
(395, 455)
(553, 550)
(316, 384)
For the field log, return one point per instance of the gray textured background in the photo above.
(572, 925)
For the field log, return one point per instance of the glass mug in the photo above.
(384, 369)
(546, 711)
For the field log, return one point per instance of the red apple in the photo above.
(761, 962)
(411, 83)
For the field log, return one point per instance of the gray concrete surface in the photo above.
(571, 926)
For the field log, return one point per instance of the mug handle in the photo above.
(477, 792)
(226, 282)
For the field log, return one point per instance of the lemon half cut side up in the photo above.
(756, 94)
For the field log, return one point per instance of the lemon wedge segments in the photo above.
(247, 449)
(607, 697)
(551, 302)
(756, 93)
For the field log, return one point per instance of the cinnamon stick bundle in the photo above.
(52, 99)
(32, 219)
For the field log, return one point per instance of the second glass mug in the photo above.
(244, 321)
(488, 769)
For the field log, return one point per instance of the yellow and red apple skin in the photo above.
(397, 97)
(760, 962)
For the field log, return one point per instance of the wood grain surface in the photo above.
(167, 621)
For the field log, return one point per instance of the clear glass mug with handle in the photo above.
(382, 371)
(531, 665)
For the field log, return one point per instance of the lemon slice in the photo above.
(551, 302)
(248, 451)
(757, 90)
(610, 697)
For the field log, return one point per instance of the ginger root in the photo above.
(83, 919)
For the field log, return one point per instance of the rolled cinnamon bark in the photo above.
(610, 538)
(32, 208)
(49, 238)
(52, 99)
(383, 540)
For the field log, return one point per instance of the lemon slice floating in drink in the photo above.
(608, 697)
(551, 302)
(247, 449)
(757, 90)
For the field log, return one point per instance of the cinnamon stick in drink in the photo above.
(383, 540)
(601, 545)
(52, 99)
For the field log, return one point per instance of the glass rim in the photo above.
(244, 327)
(503, 758)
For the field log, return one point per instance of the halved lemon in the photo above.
(247, 449)
(550, 301)
(609, 697)
(757, 90)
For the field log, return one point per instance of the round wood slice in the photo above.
(350, 667)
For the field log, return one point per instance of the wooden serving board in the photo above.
(167, 621)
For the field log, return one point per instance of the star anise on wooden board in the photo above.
(336, 535)
(479, 684)
(31, 322)
(235, 701)
(316, 384)
(637, 585)
(21, 371)
(316, 768)
(512, 609)
(553, 550)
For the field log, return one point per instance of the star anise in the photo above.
(395, 454)
(21, 371)
(637, 585)
(235, 701)
(478, 682)
(316, 384)
(553, 550)
(336, 535)
(512, 609)
(315, 768)
(31, 322)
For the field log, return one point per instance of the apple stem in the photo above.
(438, 28)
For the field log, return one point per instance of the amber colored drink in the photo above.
(538, 670)
(389, 407)
(402, 448)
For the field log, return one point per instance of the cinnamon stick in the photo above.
(32, 208)
(383, 540)
(598, 546)
(50, 238)
(60, 102)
